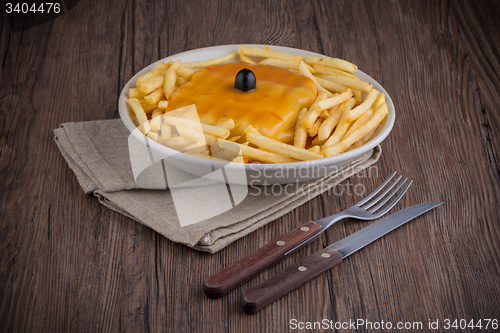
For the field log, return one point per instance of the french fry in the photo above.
(311, 60)
(254, 153)
(268, 48)
(317, 142)
(166, 131)
(313, 113)
(148, 108)
(325, 72)
(186, 73)
(228, 124)
(340, 130)
(208, 129)
(332, 86)
(309, 118)
(251, 129)
(190, 134)
(363, 140)
(378, 129)
(153, 135)
(135, 105)
(135, 93)
(152, 84)
(262, 53)
(360, 121)
(180, 81)
(363, 107)
(220, 152)
(346, 66)
(379, 101)
(170, 78)
(352, 83)
(324, 114)
(347, 141)
(207, 63)
(156, 120)
(305, 71)
(329, 123)
(177, 142)
(287, 64)
(210, 138)
(197, 147)
(333, 101)
(158, 70)
(169, 63)
(154, 97)
(157, 112)
(337, 135)
(313, 130)
(160, 140)
(234, 138)
(300, 138)
(246, 59)
(280, 63)
(178, 117)
(163, 104)
(281, 148)
(315, 149)
(357, 94)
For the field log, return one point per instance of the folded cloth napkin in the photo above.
(98, 154)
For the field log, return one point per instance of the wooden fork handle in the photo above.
(255, 298)
(235, 275)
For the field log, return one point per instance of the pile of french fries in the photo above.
(346, 114)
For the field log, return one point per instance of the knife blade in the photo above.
(255, 298)
(374, 231)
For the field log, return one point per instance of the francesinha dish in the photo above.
(259, 105)
(271, 107)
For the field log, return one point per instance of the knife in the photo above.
(255, 298)
(234, 275)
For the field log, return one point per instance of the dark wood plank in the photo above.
(69, 264)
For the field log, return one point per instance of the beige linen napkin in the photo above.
(98, 154)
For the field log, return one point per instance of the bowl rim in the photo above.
(326, 161)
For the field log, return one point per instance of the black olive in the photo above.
(245, 80)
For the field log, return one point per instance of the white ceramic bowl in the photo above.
(256, 174)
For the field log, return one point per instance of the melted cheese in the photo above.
(271, 108)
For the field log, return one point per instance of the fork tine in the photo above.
(383, 194)
(389, 196)
(395, 201)
(371, 195)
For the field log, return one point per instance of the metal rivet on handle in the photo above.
(280, 243)
(304, 229)
(325, 255)
(302, 269)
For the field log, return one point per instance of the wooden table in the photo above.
(68, 264)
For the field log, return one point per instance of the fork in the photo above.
(231, 277)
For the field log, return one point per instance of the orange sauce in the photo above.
(271, 108)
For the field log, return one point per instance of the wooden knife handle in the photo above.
(255, 298)
(235, 275)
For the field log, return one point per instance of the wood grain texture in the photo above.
(67, 264)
